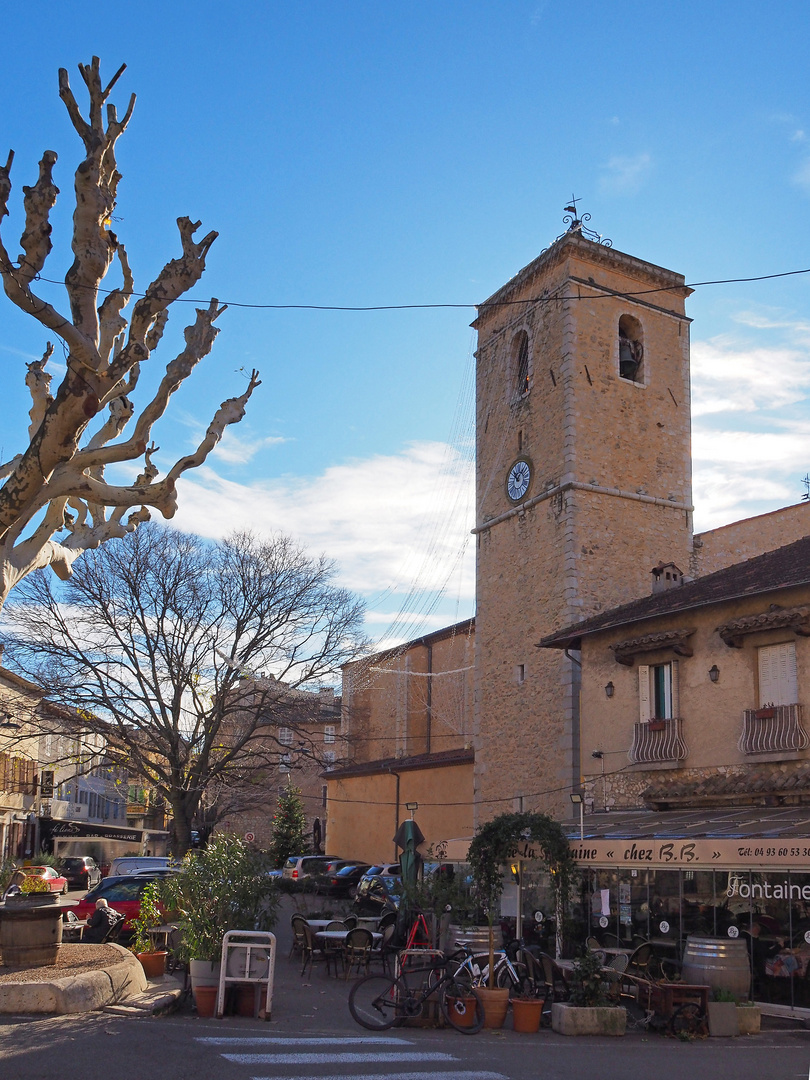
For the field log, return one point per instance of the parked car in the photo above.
(376, 894)
(343, 879)
(121, 893)
(298, 867)
(81, 871)
(134, 864)
(56, 882)
(388, 869)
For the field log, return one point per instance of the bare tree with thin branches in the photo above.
(189, 657)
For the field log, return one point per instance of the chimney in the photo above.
(666, 576)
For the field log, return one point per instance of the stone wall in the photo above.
(745, 539)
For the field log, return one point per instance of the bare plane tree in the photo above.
(57, 485)
(189, 657)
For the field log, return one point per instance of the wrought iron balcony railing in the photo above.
(657, 741)
(773, 729)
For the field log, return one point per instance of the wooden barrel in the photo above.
(30, 931)
(721, 963)
(477, 937)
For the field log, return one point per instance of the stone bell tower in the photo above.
(583, 483)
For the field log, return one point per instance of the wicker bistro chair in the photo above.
(612, 973)
(350, 922)
(357, 949)
(594, 946)
(384, 948)
(311, 950)
(297, 922)
(557, 988)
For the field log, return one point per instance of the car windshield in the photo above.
(74, 864)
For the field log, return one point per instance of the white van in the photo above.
(128, 865)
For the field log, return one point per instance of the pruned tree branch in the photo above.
(57, 483)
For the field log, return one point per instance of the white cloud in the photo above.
(237, 450)
(727, 377)
(623, 174)
(396, 524)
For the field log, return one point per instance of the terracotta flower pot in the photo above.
(205, 998)
(463, 1010)
(526, 1014)
(495, 1002)
(153, 964)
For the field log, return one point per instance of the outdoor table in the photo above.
(320, 924)
(72, 931)
(615, 950)
(370, 923)
(160, 935)
(340, 935)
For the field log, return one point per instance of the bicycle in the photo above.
(515, 975)
(378, 1002)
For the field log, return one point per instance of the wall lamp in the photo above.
(610, 690)
(411, 806)
(714, 672)
(8, 724)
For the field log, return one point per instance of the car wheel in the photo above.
(65, 889)
(352, 892)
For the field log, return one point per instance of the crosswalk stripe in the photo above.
(287, 1040)
(455, 1075)
(336, 1059)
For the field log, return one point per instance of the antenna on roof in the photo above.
(806, 482)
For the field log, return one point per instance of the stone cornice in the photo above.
(625, 652)
(776, 617)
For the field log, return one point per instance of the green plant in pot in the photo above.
(503, 838)
(224, 887)
(588, 983)
(143, 943)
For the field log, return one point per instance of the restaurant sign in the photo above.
(704, 854)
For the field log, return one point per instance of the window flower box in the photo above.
(658, 725)
(765, 714)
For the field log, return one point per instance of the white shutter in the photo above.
(644, 712)
(777, 674)
(675, 709)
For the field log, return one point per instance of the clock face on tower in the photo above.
(518, 479)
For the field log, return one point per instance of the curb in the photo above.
(78, 993)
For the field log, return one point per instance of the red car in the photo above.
(56, 883)
(121, 893)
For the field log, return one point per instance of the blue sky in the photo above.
(361, 154)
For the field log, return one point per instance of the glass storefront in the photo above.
(625, 907)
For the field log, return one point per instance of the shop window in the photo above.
(631, 349)
(520, 362)
(777, 674)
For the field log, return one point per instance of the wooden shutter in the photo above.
(777, 674)
(675, 710)
(644, 710)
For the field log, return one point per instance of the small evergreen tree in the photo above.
(289, 827)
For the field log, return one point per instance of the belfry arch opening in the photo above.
(631, 349)
(520, 362)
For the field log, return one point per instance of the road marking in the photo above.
(335, 1059)
(286, 1040)
(457, 1075)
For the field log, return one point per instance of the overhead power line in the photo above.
(431, 307)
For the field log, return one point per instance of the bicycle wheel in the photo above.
(374, 1002)
(461, 1007)
(688, 1021)
(522, 985)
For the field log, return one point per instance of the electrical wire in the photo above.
(445, 306)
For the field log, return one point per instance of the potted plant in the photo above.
(224, 887)
(527, 1010)
(588, 1010)
(153, 960)
(495, 844)
(723, 1014)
